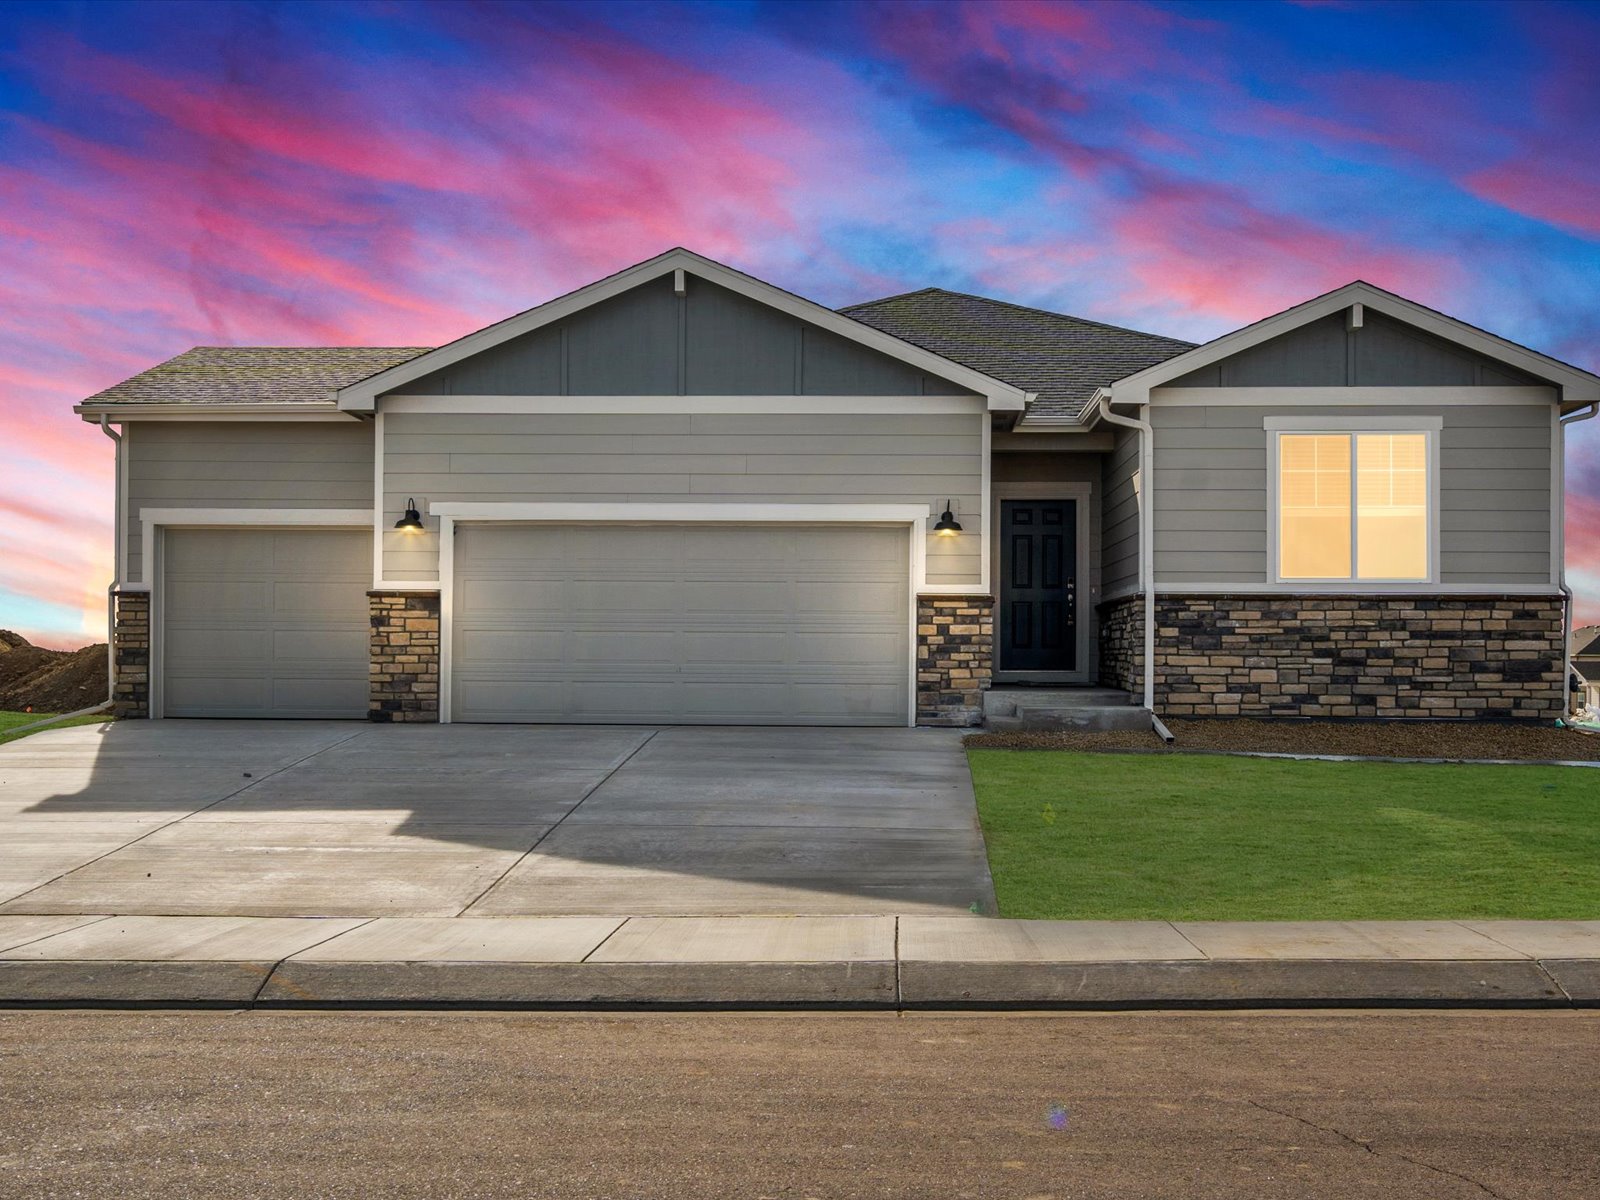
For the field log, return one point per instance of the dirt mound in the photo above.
(49, 681)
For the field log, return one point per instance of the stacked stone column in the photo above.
(403, 672)
(955, 655)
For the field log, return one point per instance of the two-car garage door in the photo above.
(696, 624)
(699, 624)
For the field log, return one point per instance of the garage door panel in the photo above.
(303, 648)
(265, 622)
(215, 648)
(311, 601)
(683, 624)
(228, 694)
(328, 695)
(219, 598)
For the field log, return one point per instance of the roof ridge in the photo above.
(1028, 308)
(885, 299)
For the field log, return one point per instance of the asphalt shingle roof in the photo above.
(255, 375)
(1586, 642)
(1062, 358)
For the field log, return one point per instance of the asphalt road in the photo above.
(1439, 1104)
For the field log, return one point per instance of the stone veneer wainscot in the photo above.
(955, 653)
(131, 654)
(1419, 657)
(404, 670)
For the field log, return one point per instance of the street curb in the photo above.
(826, 984)
(1220, 983)
(1212, 984)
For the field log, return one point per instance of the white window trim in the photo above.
(914, 517)
(155, 521)
(1429, 427)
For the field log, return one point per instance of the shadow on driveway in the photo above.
(347, 819)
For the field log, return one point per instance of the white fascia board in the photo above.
(1359, 397)
(1577, 384)
(650, 513)
(362, 396)
(712, 405)
(1032, 424)
(122, 413)
(256, 516)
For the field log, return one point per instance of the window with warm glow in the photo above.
(1353, 506)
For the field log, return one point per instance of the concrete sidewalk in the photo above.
(853, 961)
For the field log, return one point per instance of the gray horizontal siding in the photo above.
(1120, 537)
(1211, 491)
(686, 458)
(238, 464)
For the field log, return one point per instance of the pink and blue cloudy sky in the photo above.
(401, 173)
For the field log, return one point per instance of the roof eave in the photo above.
(299, 410)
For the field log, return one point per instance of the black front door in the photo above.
(1038, 585)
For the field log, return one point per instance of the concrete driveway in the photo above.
(343, 819)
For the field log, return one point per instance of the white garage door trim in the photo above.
(154, 521)
(913, 516)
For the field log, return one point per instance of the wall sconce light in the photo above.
(947, 525)
(412, 521)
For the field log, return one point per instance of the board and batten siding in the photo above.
(1119, 558)
(243, 464)
(1211, 491)
(733, 459)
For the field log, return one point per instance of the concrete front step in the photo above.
(1088, 720)
(1096, 709)
(1004, 701)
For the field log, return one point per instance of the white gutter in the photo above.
(1147, 537)
(1567, 618)
(116, 568)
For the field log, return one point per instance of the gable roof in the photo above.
(1578, 387)
(1586, 642)
(1001, 394)
(224, 376)
(1064, 359)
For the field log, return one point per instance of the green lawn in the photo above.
(1124, 836)
(12, 720)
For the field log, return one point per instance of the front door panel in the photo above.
(1038, 585)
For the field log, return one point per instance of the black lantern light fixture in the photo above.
(947, 525)
(412, 521)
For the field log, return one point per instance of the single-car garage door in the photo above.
(707, 624)
(265, 622)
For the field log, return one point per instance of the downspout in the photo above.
(1567, 670)
(116, 565)
(1147, 547)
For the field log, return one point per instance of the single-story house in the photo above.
(681, 494)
